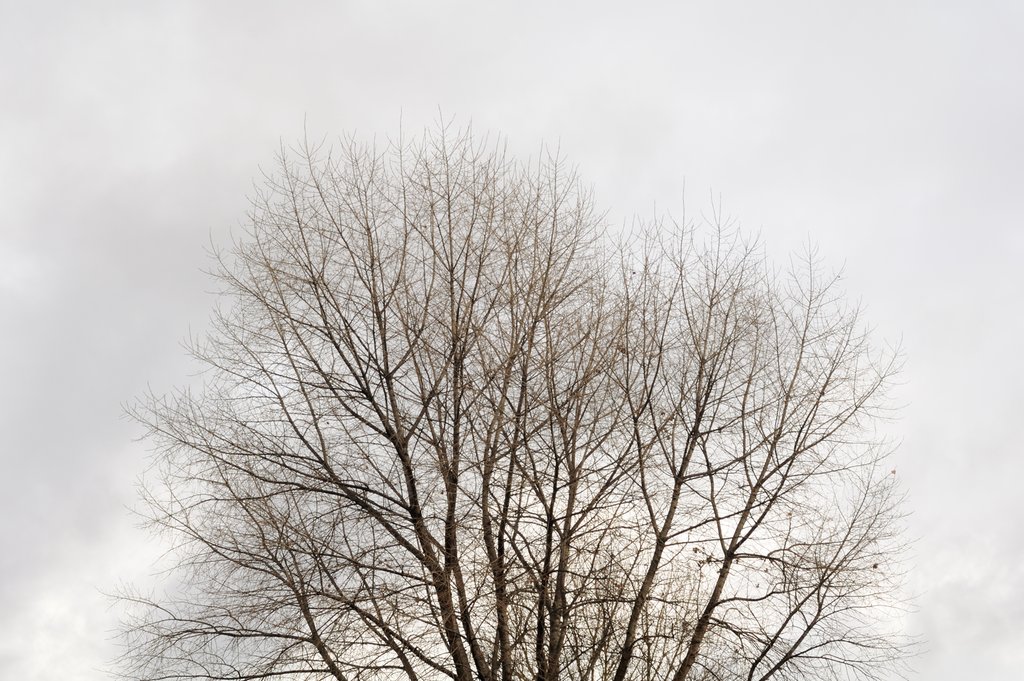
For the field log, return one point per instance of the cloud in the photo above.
(887, 133)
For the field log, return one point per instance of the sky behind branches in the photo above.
(888, 134)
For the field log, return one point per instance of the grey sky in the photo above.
(888, 133)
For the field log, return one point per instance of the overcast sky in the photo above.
(889, 133)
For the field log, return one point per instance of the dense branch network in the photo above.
(448, 430)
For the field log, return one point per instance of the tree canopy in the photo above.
(450, 428)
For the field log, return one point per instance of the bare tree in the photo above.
(448, 429)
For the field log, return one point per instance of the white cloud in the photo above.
(888, 133)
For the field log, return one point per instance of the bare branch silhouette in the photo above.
(448, 430)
